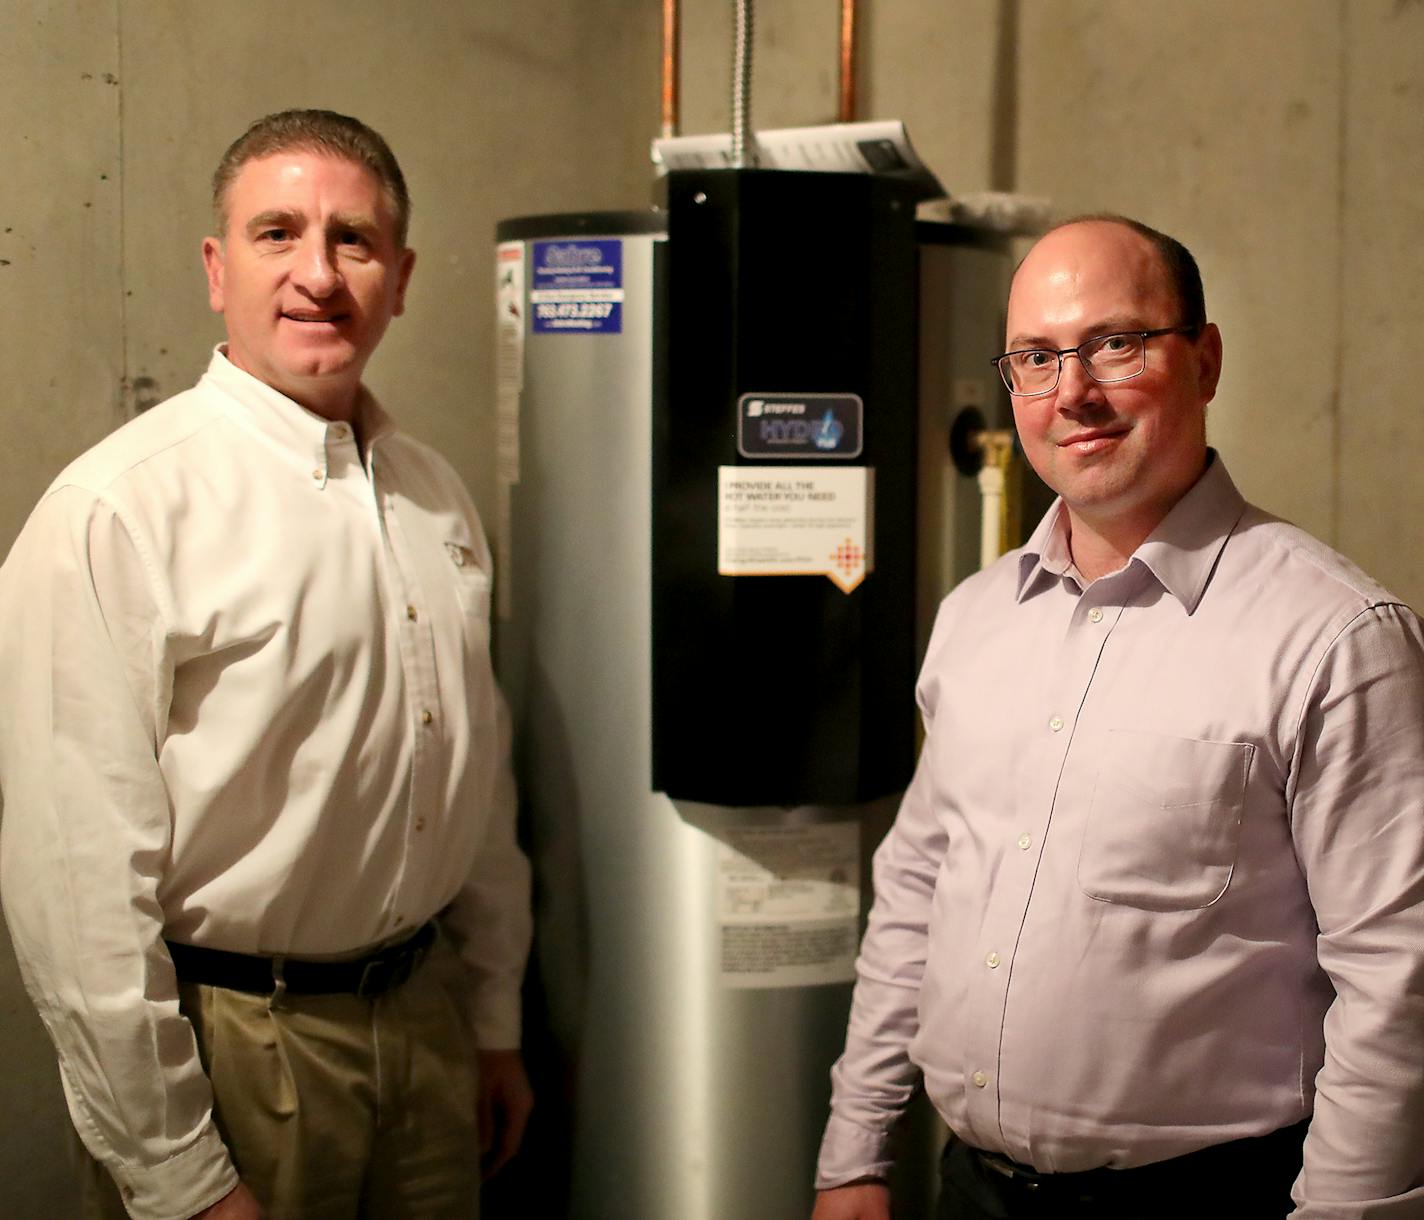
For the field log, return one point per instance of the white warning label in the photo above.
(795, 521)
(789, 904)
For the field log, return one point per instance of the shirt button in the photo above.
(426, 716)
(979, 1079)
(339, 432)
(318, 474)
(399, 919)
(1025, 842)
(1095, 615)
(420, 823)
(991, 960)
(1056, 723)
(411, 614)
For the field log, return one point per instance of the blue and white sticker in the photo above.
(785, 426)
(577, 287)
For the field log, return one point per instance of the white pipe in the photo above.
(995, 487)
(991, 515)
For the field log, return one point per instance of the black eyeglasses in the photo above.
(1107, 358)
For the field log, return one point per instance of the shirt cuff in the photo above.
(1401, 1207)
(182, 1185)
(495, 1019)
(850, 1152)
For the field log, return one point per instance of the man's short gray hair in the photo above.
(317, 131)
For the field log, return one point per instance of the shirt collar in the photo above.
(285, 423)
(1181, 552)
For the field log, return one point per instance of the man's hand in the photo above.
(505, 1102)
(869, 1200)
(238, 1204)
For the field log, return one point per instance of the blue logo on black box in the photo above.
(800, 425)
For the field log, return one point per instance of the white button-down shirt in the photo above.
(1158, 882)
(248, 705)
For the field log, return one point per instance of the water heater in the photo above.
(726, 515)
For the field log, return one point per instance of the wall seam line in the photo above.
(120, 176)
(1341, 267)
(1004, 100)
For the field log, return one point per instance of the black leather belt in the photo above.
(367, 976)
(1281, 1147)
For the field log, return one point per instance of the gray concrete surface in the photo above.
(1282, 139)
(115, 112)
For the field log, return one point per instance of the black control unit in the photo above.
(787, 336)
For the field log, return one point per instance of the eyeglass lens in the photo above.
(1107, 358)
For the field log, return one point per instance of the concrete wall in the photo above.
(1282, 139)
(936, 64)
(115, 113)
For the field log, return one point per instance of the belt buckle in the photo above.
(1003, 1167)
(382, 974)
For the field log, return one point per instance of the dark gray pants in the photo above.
(1250, 1177)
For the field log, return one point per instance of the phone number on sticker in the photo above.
(573, 309)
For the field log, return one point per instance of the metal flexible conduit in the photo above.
(742, 156)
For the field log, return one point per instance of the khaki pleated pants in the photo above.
(340, 1108)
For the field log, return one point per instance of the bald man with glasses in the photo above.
(1150, 923)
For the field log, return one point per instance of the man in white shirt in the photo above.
(1150, 922)
(258, 850)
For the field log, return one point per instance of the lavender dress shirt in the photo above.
(1158, 882)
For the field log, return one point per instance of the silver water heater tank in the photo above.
(693, 961)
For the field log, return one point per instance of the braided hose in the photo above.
(742, 156)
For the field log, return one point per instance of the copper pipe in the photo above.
(672, 71)
(847, 108)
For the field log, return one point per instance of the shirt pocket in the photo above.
(1165, 821)
(472, 586)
